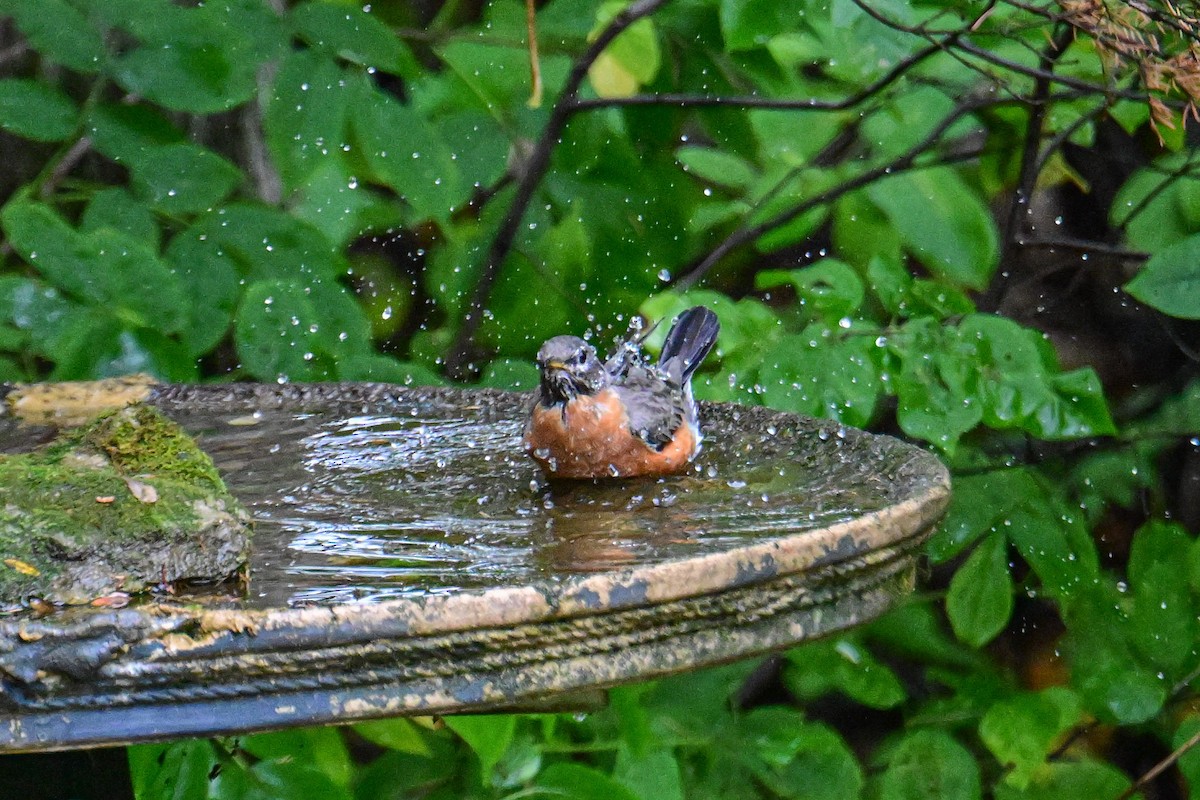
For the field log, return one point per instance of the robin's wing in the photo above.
(691, 337)
(656, 406)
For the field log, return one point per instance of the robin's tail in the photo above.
(688, 342)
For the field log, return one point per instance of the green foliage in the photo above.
(310, 191)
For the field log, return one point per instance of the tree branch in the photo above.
(1030, 161)
(744, 234)
(535, 168)
(755, 101)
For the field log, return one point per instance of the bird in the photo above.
(622, 417)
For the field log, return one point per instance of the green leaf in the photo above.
(980, 600)
(1170, 280)
(820, 373)
(1163, 618)
(1055, 545)
(274, 333)
(395, 734)
(116, 209)
(1189, 762)
(935, 297)
(128, 133)
(779, 191)
(176, 771)
(930, 764)
(192, 60)
(510, 374)
(305, 115)
(183, 178)
(1161, 198)
(320, 749)
(353, 34)
(1022, 730)
(343, 208)
(264, 243)
(778, 144)
(211, 280)
(51, 246)
(110, 269)
(795, 758)
(133, 282)
(751, 23)
(576, 782)
(369, 366)
(61, 33)
(343, 329)
(1020, 385)
(977, 505)
(843, 665)
(1078, 779)
(916, 631)
(405, 152)
(652, 775)
(938, 384)
(906, 121)
(39, 311)
(943, 222)
(1104, 669)
(521, 319)
(889, 282)
(829, 288)
(716, 166)
(33, 110)
(1080, 409)
(488, 736)
(863, 232)
(630, 61)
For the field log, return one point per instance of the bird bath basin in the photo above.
(409, 559)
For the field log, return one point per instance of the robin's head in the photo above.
(569, 367)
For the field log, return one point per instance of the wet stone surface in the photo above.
(367, 493)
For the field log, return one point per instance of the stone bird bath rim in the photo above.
(85, 677)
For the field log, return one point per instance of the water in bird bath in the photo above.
(370, 493)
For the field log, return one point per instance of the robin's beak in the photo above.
(554, 365)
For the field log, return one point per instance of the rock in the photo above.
(125, 503)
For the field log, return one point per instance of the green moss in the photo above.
(70, 512)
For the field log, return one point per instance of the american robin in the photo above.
(622, 417)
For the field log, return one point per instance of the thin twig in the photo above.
(63, 166)
(1083, 246)
(755, 101)
(535, 67)
(1160, 767)
(535, 168)
(806, 104)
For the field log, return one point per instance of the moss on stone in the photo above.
(71, 512)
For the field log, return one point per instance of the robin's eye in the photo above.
(581, 358)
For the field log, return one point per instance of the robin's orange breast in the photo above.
(590, 437)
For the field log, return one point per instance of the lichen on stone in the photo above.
(124, 503)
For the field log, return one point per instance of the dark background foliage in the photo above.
(975, 225)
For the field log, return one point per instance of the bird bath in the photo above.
(409, 559)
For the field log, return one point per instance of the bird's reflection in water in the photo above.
(604, 525)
